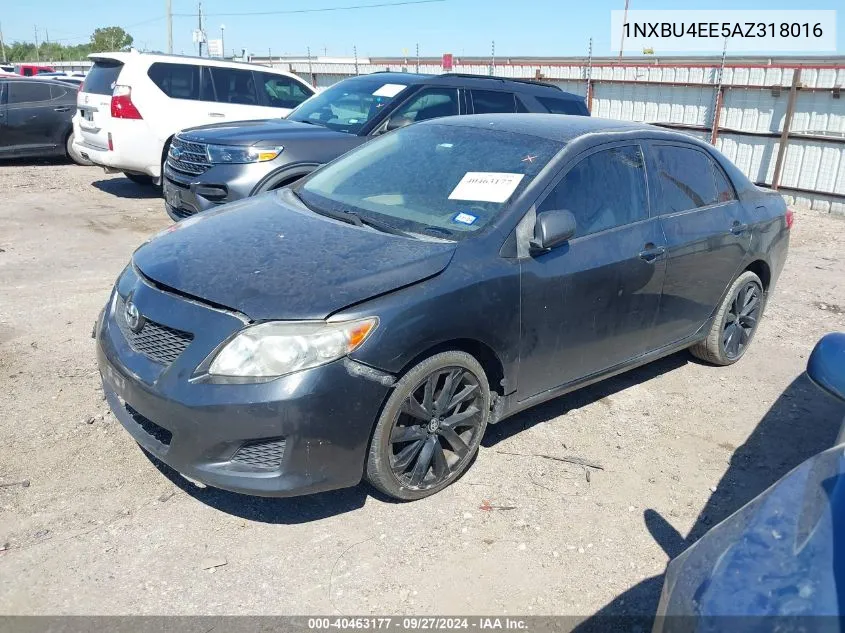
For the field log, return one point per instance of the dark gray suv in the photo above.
(215, 164)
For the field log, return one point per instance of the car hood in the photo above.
(269, 257)
(263, 132)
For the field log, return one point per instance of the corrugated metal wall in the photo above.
(682, 95)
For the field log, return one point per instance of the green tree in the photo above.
(110, 38)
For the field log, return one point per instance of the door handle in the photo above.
(738, 229)
(62, 109)
(216, 114)
(651, 252)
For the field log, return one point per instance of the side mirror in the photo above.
(552, 229)
(394, 123)
(826, 366)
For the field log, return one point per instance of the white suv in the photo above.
(132, 104)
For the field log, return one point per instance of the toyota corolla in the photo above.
(373, 319)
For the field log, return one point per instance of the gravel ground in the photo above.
(100, 529)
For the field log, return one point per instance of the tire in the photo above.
(140, 179)
(74, 155)
(729, 336)
(428, 454)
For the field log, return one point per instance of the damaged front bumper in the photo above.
(298, 434)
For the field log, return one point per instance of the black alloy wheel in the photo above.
(431, 427)
(741, 319)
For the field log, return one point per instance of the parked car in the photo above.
(220, 163)
(132, 104)
(70, 78)
(8, 69)
(372, 319)
(779, 562)
(35, 118)
(29, 70)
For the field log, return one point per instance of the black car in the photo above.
(35, 118)
(372, 319)
(213, 164)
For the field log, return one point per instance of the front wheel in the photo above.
(735, 322)
(430, 428)
(139, 179)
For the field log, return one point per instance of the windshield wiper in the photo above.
(353, 218)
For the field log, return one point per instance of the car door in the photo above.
(706, 238)
(4, 132)
(30, 117)
(592, 303)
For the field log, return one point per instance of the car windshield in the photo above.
(443, 180)
(348, 105)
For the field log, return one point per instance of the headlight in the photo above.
(232, 154)
(277, 348)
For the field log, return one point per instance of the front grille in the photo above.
(261, 454)
(192, 158)
(150, 428)
(157, 342)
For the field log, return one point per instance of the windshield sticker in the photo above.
(465, 218)
(486, 186)
(389, 90)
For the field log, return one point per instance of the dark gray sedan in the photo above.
(373, 319)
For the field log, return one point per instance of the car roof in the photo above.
(41, 80)
(556, 127)
(125, 57)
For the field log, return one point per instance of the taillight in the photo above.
(121, 104)
(790, 217)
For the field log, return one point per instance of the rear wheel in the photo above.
(735, 322)
(139, 179)
(430, 428)
(73, 154)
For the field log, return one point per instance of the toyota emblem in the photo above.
(133, 318)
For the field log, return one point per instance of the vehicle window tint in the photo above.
(281, 91)
(604, 190)
(685, 178)
(28, 92)
(520, 106)
(724, 190)
(429, 104)
(490, 101)
(234, 86)
(178, 81)
(560, 106)
(102, 77)
(57, 92)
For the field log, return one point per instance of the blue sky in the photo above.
(462, 27)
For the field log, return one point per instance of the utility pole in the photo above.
(2, 44)
(169, 6)
(355, 53)
(493, 58)
(589, 91)
(624, 20)
(222, 42)
(199, 16)
(418, 58)
(310, 70)
(37, 58)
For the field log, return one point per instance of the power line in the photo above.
(323, 10)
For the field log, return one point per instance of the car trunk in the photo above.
(94, 102)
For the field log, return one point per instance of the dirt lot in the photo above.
(100, 529)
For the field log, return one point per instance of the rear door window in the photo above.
(233, 85)
(177, 81)
(684, 178)
(724, 189)
(491, 101)
(102, 77)
(560, 106)
(58, 92)
(279, 91)
(28, 92)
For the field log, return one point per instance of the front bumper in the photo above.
(186, 195)
(303, 433)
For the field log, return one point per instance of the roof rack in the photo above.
(521, 81)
